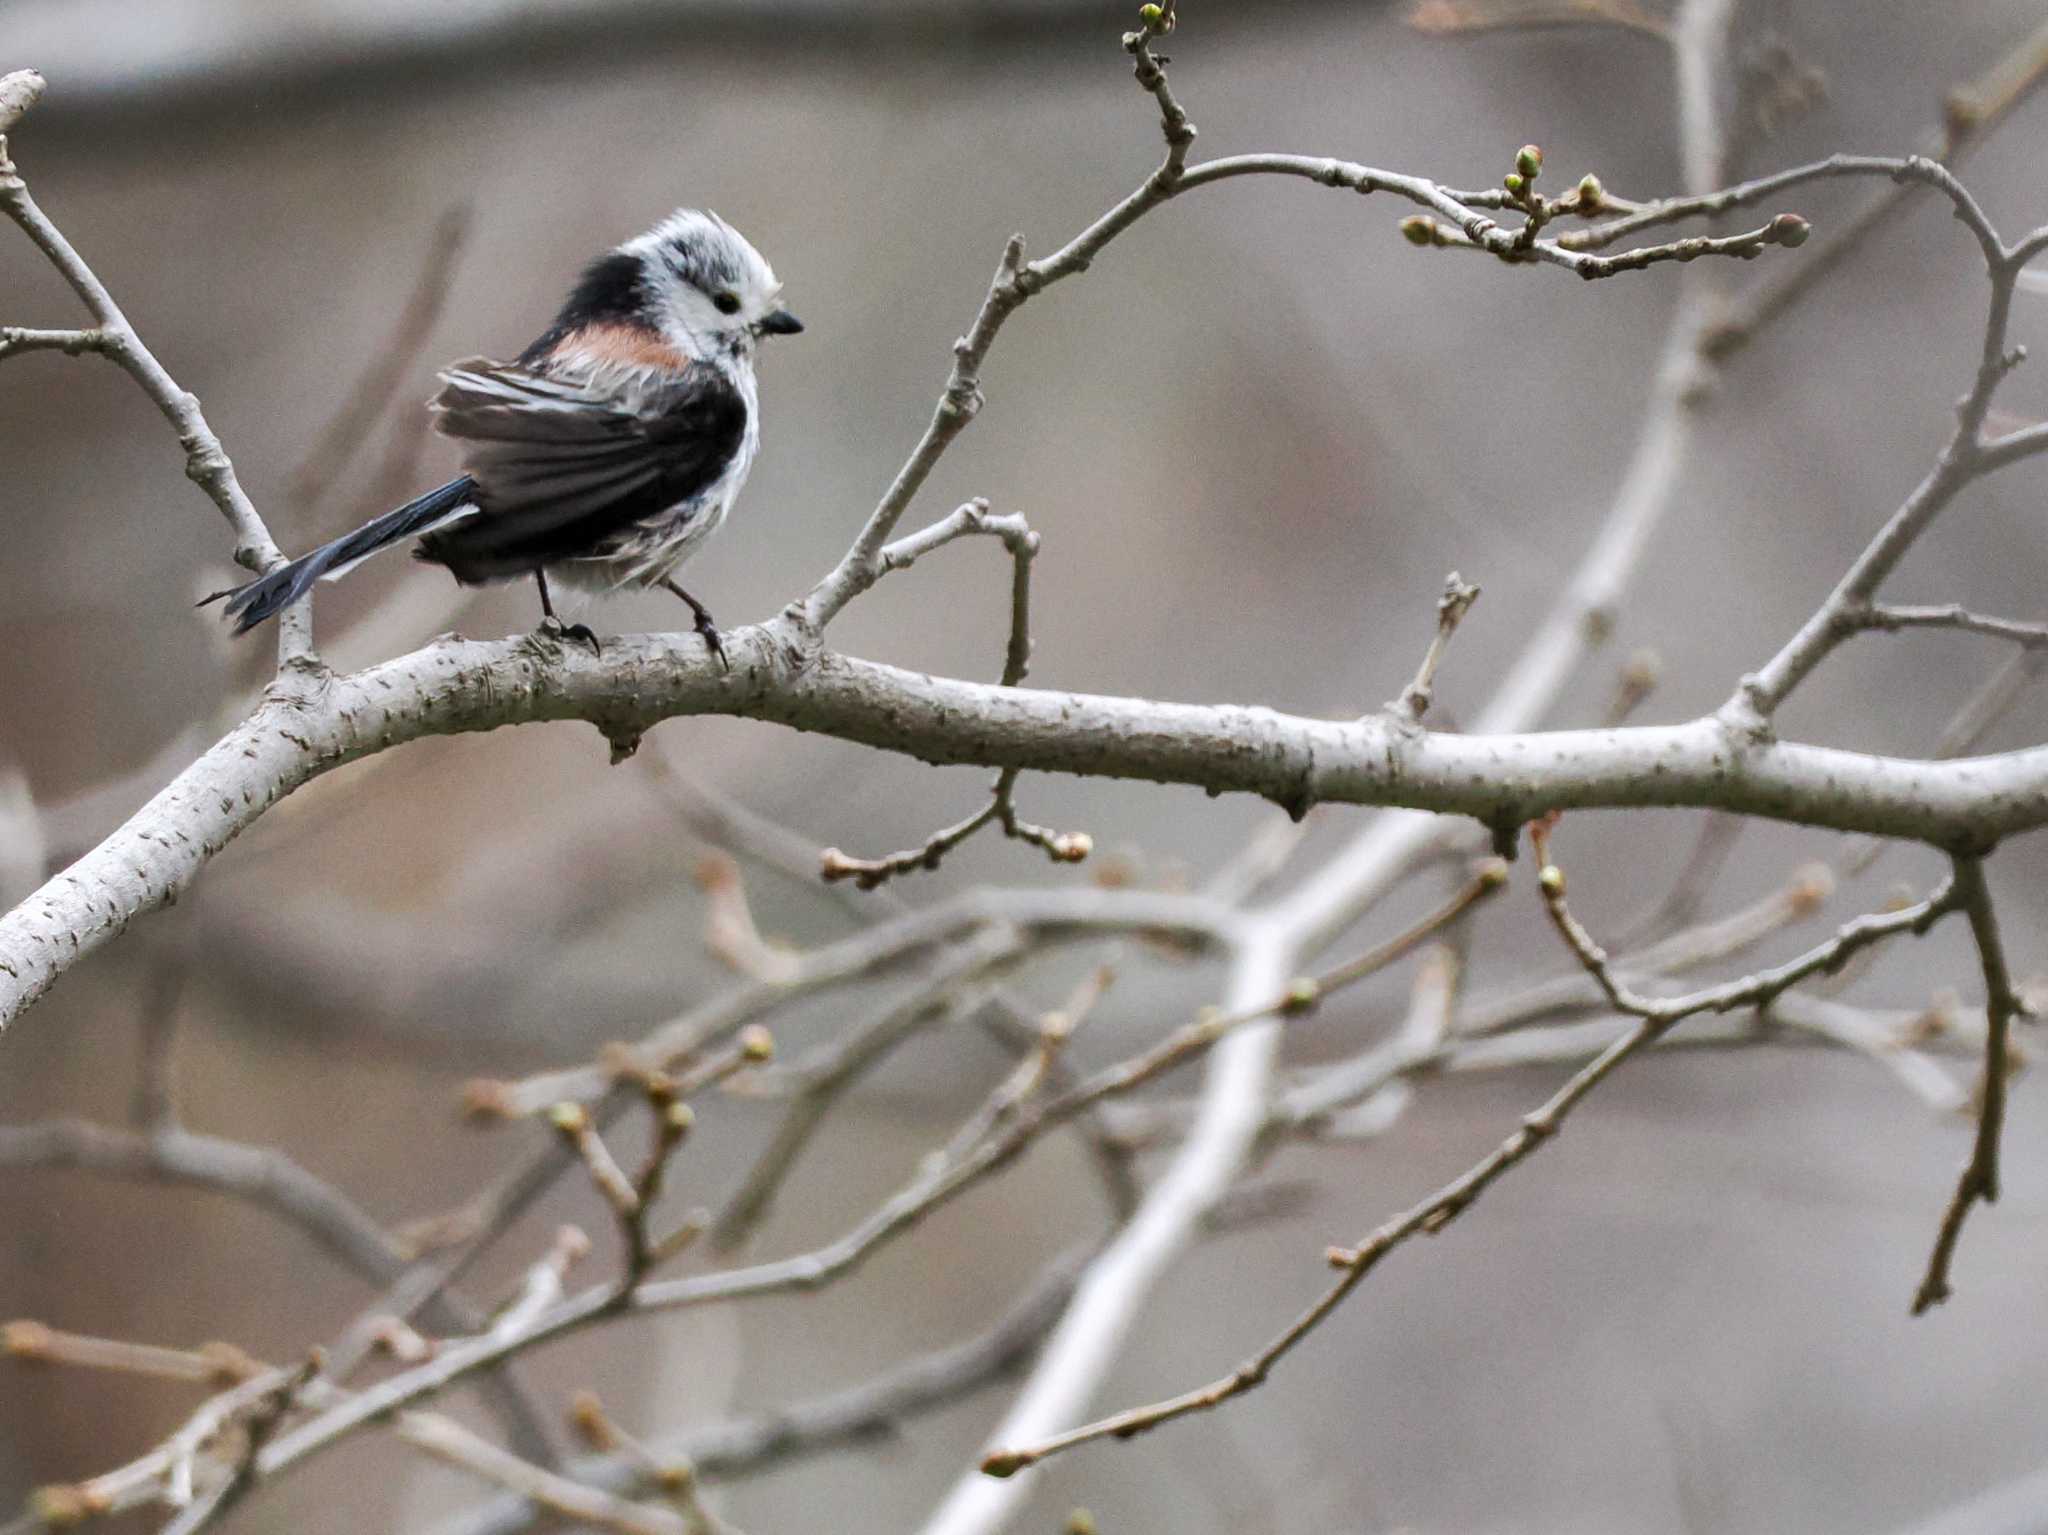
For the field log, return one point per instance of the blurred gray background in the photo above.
(1254, 438)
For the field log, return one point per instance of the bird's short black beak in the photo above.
(779, 322)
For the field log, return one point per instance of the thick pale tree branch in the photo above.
(308, 727)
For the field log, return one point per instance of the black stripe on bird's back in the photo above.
(611, 291)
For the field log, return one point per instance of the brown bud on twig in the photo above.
(229, 1364)
(1302, 997)
(1788, 230)
(1420, 229)
(1071, 847)
(25, 1340)
(587, 1416)
(63, 1504)
(487, 1098)
(569, 1118)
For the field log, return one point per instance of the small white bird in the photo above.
(608, 452)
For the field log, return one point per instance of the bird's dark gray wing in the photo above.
(560, 468)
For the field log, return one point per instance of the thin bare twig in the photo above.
(381, 380)
(452, 1444)
(17, 339)
(1948, 615)
(217, 1364)
(1750, 990)
(1451, 608)
(1972, 111)
(206, 462)
(950, 989)
(1062, 847)
(2002, 1003)
(271, 1181)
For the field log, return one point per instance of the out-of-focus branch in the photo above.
(24, 840)
(1445, 1043)
(725, 822)
(950, 989)
(990, 1142)
(1460, 16)
(203, 1466)
(1434, 1214)
(745, 833)
(1228, 1121)
(380, 381)
(568, 1497)
(261, 1176)
(1041, 915)
(1972, 111)
(873, 1411)
(268, 1180)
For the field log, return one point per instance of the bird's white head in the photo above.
(709, 291)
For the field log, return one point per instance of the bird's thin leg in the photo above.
(705, 626)
(581, 632)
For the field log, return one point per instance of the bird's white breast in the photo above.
(658, 545)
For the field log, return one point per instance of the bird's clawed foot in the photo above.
(554, 627)
(582, 634)
(705, 626)
(716, 645)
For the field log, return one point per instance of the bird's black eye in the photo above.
(727, 303)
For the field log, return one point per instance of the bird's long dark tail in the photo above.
(250, 604)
